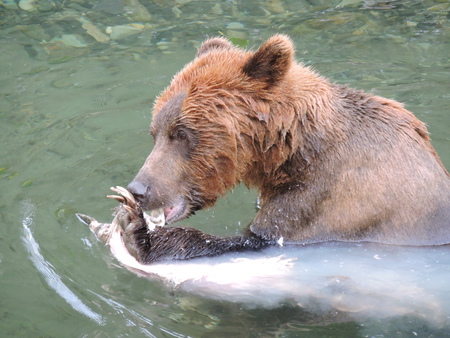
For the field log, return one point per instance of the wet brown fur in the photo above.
(330, 162)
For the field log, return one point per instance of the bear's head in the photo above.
(224, 119)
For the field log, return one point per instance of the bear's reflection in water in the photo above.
(337, 281)
(334, 281)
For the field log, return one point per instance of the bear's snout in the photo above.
(138, 189)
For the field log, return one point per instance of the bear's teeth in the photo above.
(280, 241)
(155, 218)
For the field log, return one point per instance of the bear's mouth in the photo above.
(176, 212)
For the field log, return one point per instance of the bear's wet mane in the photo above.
(331, 163)
(248, 104)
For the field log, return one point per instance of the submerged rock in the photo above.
(93, 31)
(121, 32)
(58, 51)
(72, 40)
(137, 12)
(36, 32)
(9, 4)
(28, 5)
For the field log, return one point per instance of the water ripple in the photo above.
(47, 270)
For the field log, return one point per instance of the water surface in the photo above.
(78, 80)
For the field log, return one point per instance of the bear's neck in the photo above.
(290, 132)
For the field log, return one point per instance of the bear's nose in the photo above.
(138, 189)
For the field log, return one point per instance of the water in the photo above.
(75, 108)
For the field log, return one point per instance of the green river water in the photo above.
(77, 83)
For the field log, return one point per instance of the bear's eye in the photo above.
(179, 135)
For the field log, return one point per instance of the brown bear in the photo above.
(331, 163)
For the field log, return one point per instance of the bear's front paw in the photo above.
(180, 243)
(167, 243)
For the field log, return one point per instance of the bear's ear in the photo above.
(272, 60)
(214, 43)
